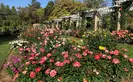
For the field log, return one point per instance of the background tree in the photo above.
(93, 3)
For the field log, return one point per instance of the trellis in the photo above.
(94, 13)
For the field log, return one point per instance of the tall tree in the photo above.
(48, 10)
(93, 3)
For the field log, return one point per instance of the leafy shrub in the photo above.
(123, 36)
(53, 59)
(98, 38)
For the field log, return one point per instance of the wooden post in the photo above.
(57, 24)
(95, 22)
(118, 23)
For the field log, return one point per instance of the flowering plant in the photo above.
(94, 39)
(54, 59)
(123, 36)
(18, 43)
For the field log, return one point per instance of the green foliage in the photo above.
(98, 38)
(94, 3)
(71, 63)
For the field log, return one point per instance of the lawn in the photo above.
(4, 48)
(128, 47)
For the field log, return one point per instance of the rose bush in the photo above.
(123, 36)
(51, 58)
(94, 39)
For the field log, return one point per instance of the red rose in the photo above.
(32, 74)
(97, 57)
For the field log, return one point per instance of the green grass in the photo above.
(4, 48)
(128, 47)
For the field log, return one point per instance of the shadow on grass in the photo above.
(7, 39)
(5, 48)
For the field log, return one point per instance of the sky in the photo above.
(24, 3)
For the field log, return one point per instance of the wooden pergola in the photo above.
(95, 14)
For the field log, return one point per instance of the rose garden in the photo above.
(70, 49)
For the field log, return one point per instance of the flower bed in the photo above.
(51, 58)
(123, 36)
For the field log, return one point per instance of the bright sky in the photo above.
(24, 3)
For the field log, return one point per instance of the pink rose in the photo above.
(59, 64)
(85, 53)
(47, 71)
(43, 59)
(90, 52)
(32, 74)
(66, 61)
(39, 81)
(31, 58)
(42, 50)
(27, 63)
(103, 56)
(116, 61)
(34, 62)
(51, 60)
(49, 55)
(109, 57)
(76, 64)
(125, 69)
(53, 73)
(38, 69)
(131, 60)
(78, 56)
(21, 50)
(116, 52)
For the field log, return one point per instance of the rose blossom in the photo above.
(39, 81)
(43, 59)
(32, 74)
(85, 53)
(131, 60)
(116, 52)
(21, 49)
(84, 80)
(59, 64)
(51, 60)
(53, 73)
(125, 69)
(38, 69)
(42, 50)
(97, 57)
(109, 57)
(47, 71)
(78, 56)
(27, 63)
(49, 55)
(59, 79)
(66, 61)
(116, 61)
(76, 64)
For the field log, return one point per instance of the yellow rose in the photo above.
(101, 48)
